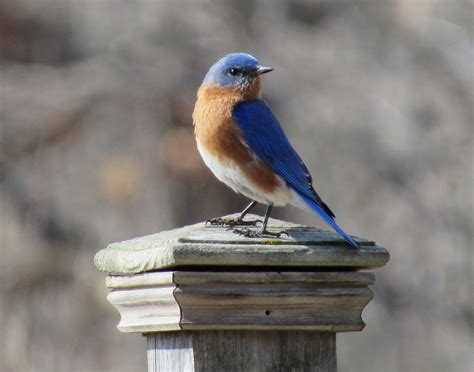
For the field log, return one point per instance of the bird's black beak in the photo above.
(263, 70)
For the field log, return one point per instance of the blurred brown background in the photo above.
(97, 146)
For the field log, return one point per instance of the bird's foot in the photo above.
(258, 234)
(231, 222)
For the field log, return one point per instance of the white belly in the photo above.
(233, 177)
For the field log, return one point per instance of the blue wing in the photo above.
(263, 134)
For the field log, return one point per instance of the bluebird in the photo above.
(243, 144)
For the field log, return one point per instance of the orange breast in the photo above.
(217, 132)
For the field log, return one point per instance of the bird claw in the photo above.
(219, 221)
(231, 222)
(258, 234)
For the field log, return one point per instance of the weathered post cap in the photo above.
(203, 277)
(207, 246)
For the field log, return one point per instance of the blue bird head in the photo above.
(235, 70)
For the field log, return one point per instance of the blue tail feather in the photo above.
(330, 221)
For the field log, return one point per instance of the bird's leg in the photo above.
(263, 230)
(247, 210)
(235, 221)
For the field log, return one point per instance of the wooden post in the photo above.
(210, 300)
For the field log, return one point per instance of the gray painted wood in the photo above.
(170, 351)
(145, 302)
(273, 300)
(203, 245)
(242, 351)
(208, 300)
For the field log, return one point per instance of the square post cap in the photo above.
(206, 246)
(203, 277)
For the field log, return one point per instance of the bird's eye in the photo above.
(234, 71)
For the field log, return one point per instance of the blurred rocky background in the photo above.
(96, 146)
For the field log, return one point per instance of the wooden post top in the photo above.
(204, 277)
(206, 246)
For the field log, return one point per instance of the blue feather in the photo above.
(330, 221)
(263, 134)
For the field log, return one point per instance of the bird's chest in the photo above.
(220, 143)
(222, 150)
(218, 135)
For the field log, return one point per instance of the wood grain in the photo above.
(170, 351)
(200, 246)
(242, 351)
(145, 302)
(206, 300)
(273, 300)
